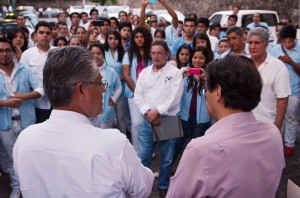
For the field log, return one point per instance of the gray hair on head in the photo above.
(63, 69)
(261, 32)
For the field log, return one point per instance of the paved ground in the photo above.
(291, 171)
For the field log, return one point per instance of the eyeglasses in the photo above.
(158, 54)
(8, 50)
(103, 84)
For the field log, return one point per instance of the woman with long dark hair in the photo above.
(114, 53)
(135, 60)
(19, 41)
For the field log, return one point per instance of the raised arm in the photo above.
(171, 12)
(143, 15)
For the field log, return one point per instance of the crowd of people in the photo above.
(80, 105)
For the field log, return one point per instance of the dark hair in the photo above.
(24, 29)
(191, 79)
(74, 13)
(203, 36)
(59, 38)
(153, 21)
(134, 49)
(161, 43)
(62, 23)
(57, 16)
(125, 24)
(11, 34)
(214, 25)
(239, 80)
(106, 20)
(190, 19)
(183, 46)
(100, 46)
(93, 10)
(5, 40)
(233, 16)
(115, 19)
(123, 12)
(80, 27)
(119, 47)
(238, 7)
(161, 31)
(193, 15)
(204, 21)
(42, 24)
(235, 29)
(180, 22)
(53, 24)
(288, 31)
(76, 37)
(82, 13)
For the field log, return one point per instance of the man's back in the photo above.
(67, 156)
(237, 157)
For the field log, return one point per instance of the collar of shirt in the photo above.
(159, 71)
(266, 62)
(64, 115)
(230, 120)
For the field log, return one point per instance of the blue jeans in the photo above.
(146, 148)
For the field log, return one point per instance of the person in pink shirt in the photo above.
(238, 156)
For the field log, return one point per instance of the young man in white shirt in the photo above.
(35, 58)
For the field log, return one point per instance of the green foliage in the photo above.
(104, 2)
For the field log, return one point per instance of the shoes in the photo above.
(162, 192)
(156, 174)
(15, 193)
(288, 151)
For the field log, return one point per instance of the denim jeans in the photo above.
(7, 141)
(42, 115)
(292, 117)
(146, 148)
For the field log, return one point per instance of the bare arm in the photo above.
(27, 96)
(290, 61)
(127, 77)
(171, 12)
(143, 15)
(281, 106)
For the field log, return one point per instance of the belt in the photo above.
(16, 118)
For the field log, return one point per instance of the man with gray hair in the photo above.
(275, 77)
(68, 157)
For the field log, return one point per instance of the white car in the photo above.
(78, 9)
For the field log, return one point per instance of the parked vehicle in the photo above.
(78, 9)
(54, 12)
(7, 24)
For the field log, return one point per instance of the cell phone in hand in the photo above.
(151, 1)
(195, 71)
(98, 23)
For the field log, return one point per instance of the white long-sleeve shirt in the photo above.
(66, 156)
(161, 90)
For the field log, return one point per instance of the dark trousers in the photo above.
(42, 115)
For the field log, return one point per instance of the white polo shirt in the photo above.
(276, 84)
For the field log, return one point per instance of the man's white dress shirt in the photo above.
(68, 157)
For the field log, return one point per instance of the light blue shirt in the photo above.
(127, 91)
(202, 113)
(26, 81)
(252, 25)
(177, 44)
(171, 35)
(295, 55)
(112, 78)
(113, 62)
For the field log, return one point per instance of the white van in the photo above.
(245, 17)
